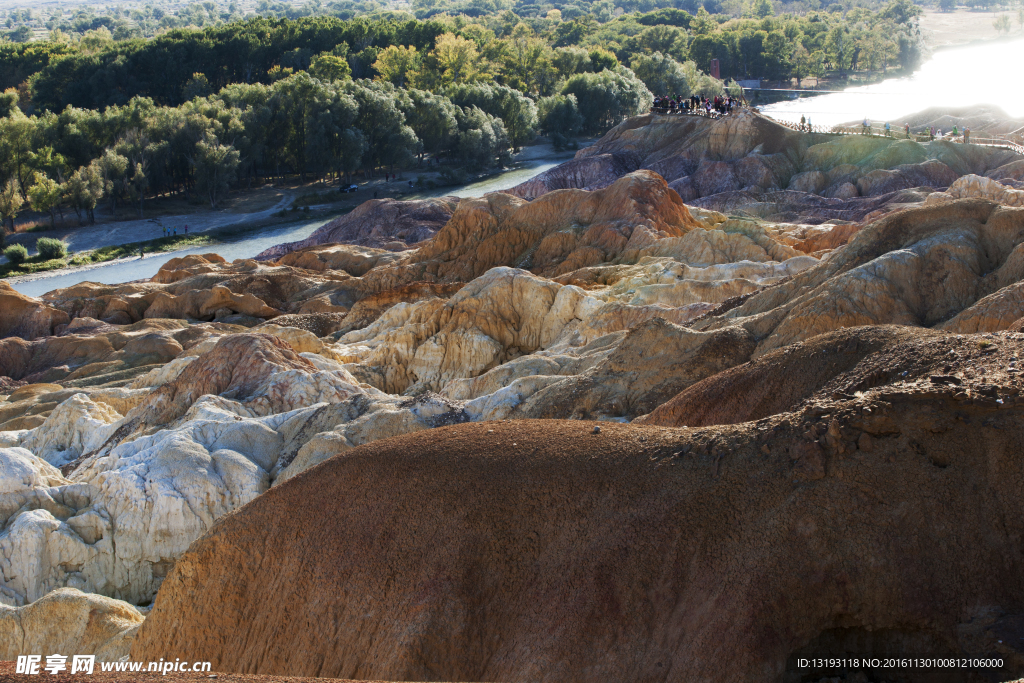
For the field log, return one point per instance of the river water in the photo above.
(248, 245)
(989, 73)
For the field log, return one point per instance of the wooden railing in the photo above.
(872, 131)
(869, 131)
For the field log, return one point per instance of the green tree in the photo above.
(84, 190)
(608, 97)
(704, 48)
(517, 112)
(901, 11)
(572, 32)
(10, 201)
(432, 118)
(703, 24)
(526, 61)
(8, 102)
(667, 40)
(453, 60)
(571, 60)
(112, 168)
(775, 56)
(601, 59)
(97, 40)
(328, 67)
(389, 140)
(661, 74)
(396, 64)
(197, 86)
(22, 34)
(1001, 24)
(215, 166)
(137, 148)
(482, 141)
(559, 114)
(44, 195)
(702, 83)
(16, 253)
(760, 9)
(16, 145)
(801, 61)
(839, 47)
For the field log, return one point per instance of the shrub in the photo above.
(50, 248)
(16, 254)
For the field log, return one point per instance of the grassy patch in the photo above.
(38, 264)
(161, 244)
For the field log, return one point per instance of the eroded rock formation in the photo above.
(746, 163)
(388, 224)
(136, 417)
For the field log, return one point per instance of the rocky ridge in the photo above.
(748, 164)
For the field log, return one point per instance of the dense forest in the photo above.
(195, 111)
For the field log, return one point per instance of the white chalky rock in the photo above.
(140, 505)
(381, 418)
(76, 426)
(21, 470)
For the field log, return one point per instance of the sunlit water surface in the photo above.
(959, 77)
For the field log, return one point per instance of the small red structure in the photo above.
(714, 69)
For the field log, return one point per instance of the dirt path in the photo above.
(125, 232)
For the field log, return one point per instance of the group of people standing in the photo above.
(932, 131)
(173, 230)
(695, 103)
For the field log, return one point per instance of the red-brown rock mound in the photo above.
(543, 551)
(381, 223)
(839, 365)
(555, 234)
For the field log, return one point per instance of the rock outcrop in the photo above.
(748, 164)
(388, 224)
(973, 186)
(839, 365)
(920, 267)
(25, 317)
(549, 551)
(69, 622)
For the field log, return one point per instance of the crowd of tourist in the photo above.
(696, 103)
(931, 131)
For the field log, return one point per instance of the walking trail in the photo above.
(89, 237)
